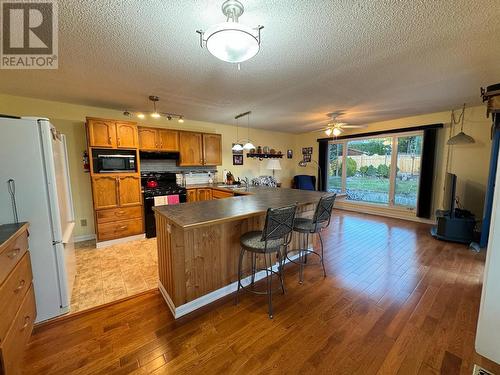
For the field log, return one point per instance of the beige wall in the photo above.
(469, 162)
(70, 120)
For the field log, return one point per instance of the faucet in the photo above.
(245, 180)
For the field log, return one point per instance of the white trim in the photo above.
(380, 210)
(193, 305)
(118, 241)
(84, 237)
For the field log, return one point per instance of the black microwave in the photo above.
(113, 163)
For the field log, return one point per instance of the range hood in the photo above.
(157, 155)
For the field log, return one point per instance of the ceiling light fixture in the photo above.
(231, 41)
(155, 114)
(461, 138)
(247, 143)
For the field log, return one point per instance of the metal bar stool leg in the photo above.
(269, 276)
(280, 270)
(301, 259)
(254, 266)
(322, 254)
(240, 265)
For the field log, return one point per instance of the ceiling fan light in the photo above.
(232, 42)
(237, 147)
(336, 132)
(181, 119)
(328, 132)
(155, 115)
(141, 115)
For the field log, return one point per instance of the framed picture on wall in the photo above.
(307, 151)
(237, 159)
(238, 152)
(289, 154)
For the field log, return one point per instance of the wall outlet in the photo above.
(83, 222)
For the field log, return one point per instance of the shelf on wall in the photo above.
(265, 156)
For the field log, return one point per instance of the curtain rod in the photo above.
(381, 132)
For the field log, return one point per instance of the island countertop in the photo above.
(258, 200)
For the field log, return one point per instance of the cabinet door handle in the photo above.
(27, 320)
(123, 227)
(21, 285)
(12, 254)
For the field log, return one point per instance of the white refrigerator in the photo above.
(33, 154)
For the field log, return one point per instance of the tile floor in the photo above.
(112, 273)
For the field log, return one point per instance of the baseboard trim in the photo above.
(373, 209)
(118, 241)
(196, 304)
(84, 237)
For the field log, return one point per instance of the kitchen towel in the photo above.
(173, 199)
(161, 200)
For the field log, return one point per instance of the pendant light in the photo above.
(237, 146)
(461, 138)
(248, 145)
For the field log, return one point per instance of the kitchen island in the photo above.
(198, 243)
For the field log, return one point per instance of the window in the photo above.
(335, 168)
(369, 175)
(408, 172)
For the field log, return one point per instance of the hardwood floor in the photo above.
(395, 302)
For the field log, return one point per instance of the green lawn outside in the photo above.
(374, 184)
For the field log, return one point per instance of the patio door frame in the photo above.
(393, 171)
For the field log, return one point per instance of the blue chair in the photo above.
(304, 182)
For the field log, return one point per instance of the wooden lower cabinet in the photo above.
(206, 194)
(118, 206)
(17, 306)
(192, 195)
(119, 229)
(219, 194)
(203, 194)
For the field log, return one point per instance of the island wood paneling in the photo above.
(196, 261)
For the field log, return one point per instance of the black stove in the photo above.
(166, 185)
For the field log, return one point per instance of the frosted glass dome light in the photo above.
(231, 41)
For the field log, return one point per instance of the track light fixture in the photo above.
(155, 113)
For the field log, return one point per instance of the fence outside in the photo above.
(407, 163)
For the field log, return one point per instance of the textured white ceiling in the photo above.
(375, 59)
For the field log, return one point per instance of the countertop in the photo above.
(258, 200)
(7, 231)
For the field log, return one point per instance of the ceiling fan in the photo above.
(336, 127)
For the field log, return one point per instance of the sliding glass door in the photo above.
(369, 176)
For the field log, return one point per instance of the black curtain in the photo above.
(323, 165)
(425, 191)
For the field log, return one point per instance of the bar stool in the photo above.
(304, 227)
(273, 239)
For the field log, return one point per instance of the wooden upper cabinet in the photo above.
(102, 133)
(148, 139)
(190, 147)
(126, 135)
(129, 190)
(105, 191)
(212, 149)
(168, 140)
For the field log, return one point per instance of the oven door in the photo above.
(149, 216)
(116, 163)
